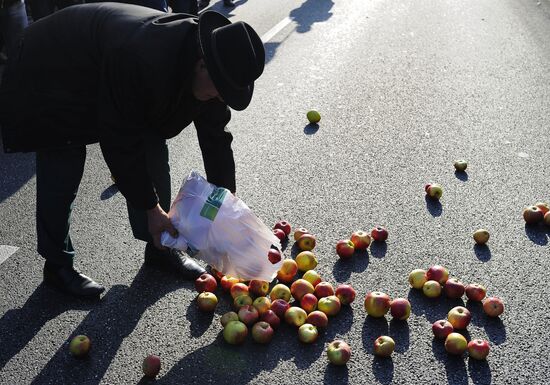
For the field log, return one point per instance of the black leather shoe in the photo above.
(228, 3)
(174, 261)
(70, 281)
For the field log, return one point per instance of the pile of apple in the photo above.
(539, 212)
(435, 280)
(360, 241)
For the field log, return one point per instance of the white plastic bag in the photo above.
(220, 229)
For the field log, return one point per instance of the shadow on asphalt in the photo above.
(480, 373)
(434, 206)
(382, 368)
(109, 192)
(378, 249)
(538, 234)
(462, 175)
(342, 269)
(15, 171)
(399, 331)
(433, 309)
(336, 374)
(455, 366)
(483, 252)
(311, 128)
(494, 327)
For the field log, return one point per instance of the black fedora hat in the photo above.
(234, 56)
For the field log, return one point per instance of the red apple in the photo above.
(312, 277)
(427, 187)
(295, 316)
(309, 302)
(431, 289)
(323, 289)
(217, 274)
(437, 273)
(288, 270)
(271, 318)
(346, 294)
(377, 304)
(279, 307)
(456, 343)
(80, 346)
(532, 215)
(338, 352)
(329, 305)
(207, 301)
(417, 278)
(478, 349)
(360, 240)
(283, 225)
(274, 256)
(299, 288)
(345, 249)
(262, 304)
(238, 289)
(442, 329)
(493, 306)
(235, 332)
(306, 242)
(400, 308)
(227, 282)
(151, 366)
(242, 300)
(299, 232)
(384, 346)
(307, 333)
(248, 315)
(475, 292)
(262, 332)
(228, 317)
(258, 288)
(379, 234)
(543, 206)
(454, 288)
(547, 219)
(459, 317)
(280, 291)
(318, 319)
(279, 234)
(206, 282)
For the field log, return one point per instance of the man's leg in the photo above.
(13, 22)
(58, 175)
(185, 6)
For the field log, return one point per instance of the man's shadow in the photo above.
(15, 171)
(311, 12)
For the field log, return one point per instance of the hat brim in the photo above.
(237, 99)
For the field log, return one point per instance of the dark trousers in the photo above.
(58, 176)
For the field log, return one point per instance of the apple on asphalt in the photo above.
(346, 294)
(283, 225)
(478, 349)
(248, 315)
(235, 332)
(431, 289)
(532, 215)
(437, 273)
(306, 242)
(262, 332)
(80, 346)
(295, 316)
(151, 366)
(299, 232)
(306, 260)
(227, 282)
(299, 288)
(435, 191)
(384, 346)
(345, 249)
(262, 304)
(377, 304)
(323, 289)
(242, 300)
(543, 206)
(279, 234)
(312, 277)
(379, 234)
(454, 288)
(238, 289)
(206, 282)
(318, 319)
(271, 318)
(400, 309)
(228, 317)
(417, 278)
(442, 328)
(280, 291)
(309, 302)
(258, 288)
(360, 239)
(207, 301)
(459, 317)
(274, 256)
(307, 333)
(329, 305)
(279, 307)
(460, 165)
(288, 270)
(338, 352)
(456, 343)
(493, 306)
(475, 292)
(481, 236)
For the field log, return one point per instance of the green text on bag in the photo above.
(213, 203)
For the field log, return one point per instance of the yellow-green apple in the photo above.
(478, 349)
(379, 234)
(360, 240)
(532, 215)
(306, 242)
(377, 304)
(238, 289)
(258, 288)
(228, 317)
(299, 232)
(280, 291)
(400, 308)
(313, 116)
(271, 318)
(481, 236)
(279, 307)
(437, 273)
(288, 270)
(206, 282)
(435, 191)
(338, 352)
(431, 289)
(442, 329)
(207, 301)
(227, 282)
(283, 225)
(279, 234)
(242, 300)
(262, 304)
(384, 346)
(345, 249)
(306, 260)
(307, 333)
(547, 219)
(262, 332)
(309, 302)
(312, 277)
(299, 288)
(274, 256)
(80, 346)
(460, 165)
(323, 289)
(543, 206)
(456, 343)
(454, 288)
(493, 306)
(318, 319)
(151, 366)
(459, 317)
(248, 315)
(346, 294)
(295, 316)
(417, 278)
(235, 332)
(475, 292)
(329, 305)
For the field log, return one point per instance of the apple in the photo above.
(442, 329)
(460, 165)
(481, 236)
(306, 260)
(338, 352)
(238, 289)
(279, 234)
(312, 277)
(80, 346)
(360, 240)
(271, 318)
(379, 234)
(151, 366)
(377, 304)
(400, 308)
(456, 343)
(459, 317)
(323, 289)
(227, 282)
(299, 288)
(478, 349)
(262, 304)
(532, 215)
(274, 256)
(207, 301)
(217, 274)
(279, 307)
(346, 294)
(345, 249)
(248, 315)
(318, 319)
(432, 289)
(417, 278)
(547, 219)
(543, 206)
(437, 273)
(309, 302)
(384, 346)
(329, 305)
(206, 282)
(313, 116)
(454, 288)
(283, 225)
(258, 288)
(242, 300)
(262, 332)
(475, 292)
(493, 306)
(228, 317)
(306, 242)
(299, 232)
(288, 270)
(427, 187)
(307, 333)
(295, 316)
(235, 332)
(280, 291)
(435, 191)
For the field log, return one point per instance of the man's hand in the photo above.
(158, 221)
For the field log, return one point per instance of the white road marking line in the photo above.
(275, 30)
(6, 252)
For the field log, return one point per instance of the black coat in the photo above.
(109, 73)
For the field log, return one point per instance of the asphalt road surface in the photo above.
(404, 88)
